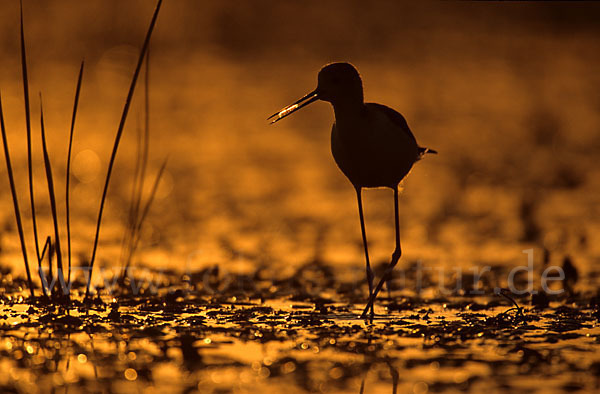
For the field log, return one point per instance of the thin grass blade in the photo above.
(52, 195)
(13, 190)
(28, 126)
(138, 227)
(146, 139)
(118, 139)
(67, 205)
(130, 224)
(43, 278)
(141, 166)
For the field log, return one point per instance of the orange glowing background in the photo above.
(506, 94)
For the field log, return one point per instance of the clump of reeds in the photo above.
(53, 246)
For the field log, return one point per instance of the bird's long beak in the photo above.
(290, 109)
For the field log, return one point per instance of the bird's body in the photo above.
(373, 146)
(371, 143)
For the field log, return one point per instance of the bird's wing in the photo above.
(397, 118)
(394, 116)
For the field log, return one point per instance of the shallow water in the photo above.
(189, 340)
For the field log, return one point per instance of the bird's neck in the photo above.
(348, 112)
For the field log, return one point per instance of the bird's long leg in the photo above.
(364, 238)
(395, 257)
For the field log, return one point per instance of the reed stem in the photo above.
(52, 196)
(28, 126)
(68, 176)
(136, 234)
(118, 139)
(15, 199)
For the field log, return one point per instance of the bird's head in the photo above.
(338, 83)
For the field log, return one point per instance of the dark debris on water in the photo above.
(320, 337)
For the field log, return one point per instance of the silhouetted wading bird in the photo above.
(371, 143)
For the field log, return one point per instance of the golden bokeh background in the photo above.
(507, 93)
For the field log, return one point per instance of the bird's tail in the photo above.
(424, 151)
